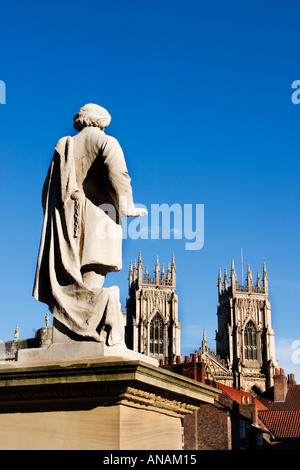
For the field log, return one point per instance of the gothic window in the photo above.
(250, 342)
(156, 335)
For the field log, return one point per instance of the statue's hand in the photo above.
(136, 212)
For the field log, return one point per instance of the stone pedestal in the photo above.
(78, 350)
(57, 343)
(102, 403)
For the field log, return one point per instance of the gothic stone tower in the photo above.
(152, 325)
(245, 337)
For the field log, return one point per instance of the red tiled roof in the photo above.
(282, 424)
(282, 418)
(262, 404)
(235, 394)
(292, 400)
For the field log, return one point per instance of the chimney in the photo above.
(280, 385)
(254, 414)
(249, 410)
(291, 379)
(200, 372)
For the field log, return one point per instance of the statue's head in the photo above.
(91, 115)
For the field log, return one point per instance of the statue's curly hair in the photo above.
(91, 115)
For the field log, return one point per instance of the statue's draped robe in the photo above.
(86, 171)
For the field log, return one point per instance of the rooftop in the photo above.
(283, 424)
(280, 418)
(239, 396)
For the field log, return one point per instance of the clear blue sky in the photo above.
(200, 98)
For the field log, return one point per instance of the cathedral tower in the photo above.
(245, 337)
(152, 325)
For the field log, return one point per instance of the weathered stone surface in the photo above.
(79, 350)
(102, 428)
(95, 404)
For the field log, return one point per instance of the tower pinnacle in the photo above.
(140, 268)
(173, 265)
(249, 278)
(225, 279)
(162, 274)
(204, 342)
(140, 262)
(233, 275)
(265, 277)
(173, 270)
(258, 281)
(169, 271)
(157, 269)
(220, 282)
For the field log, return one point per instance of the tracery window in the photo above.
(250, 342)
(156, 335)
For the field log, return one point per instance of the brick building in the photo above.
(279, 411)
(230, 423)
(238, 420)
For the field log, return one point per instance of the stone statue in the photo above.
(86, 193)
